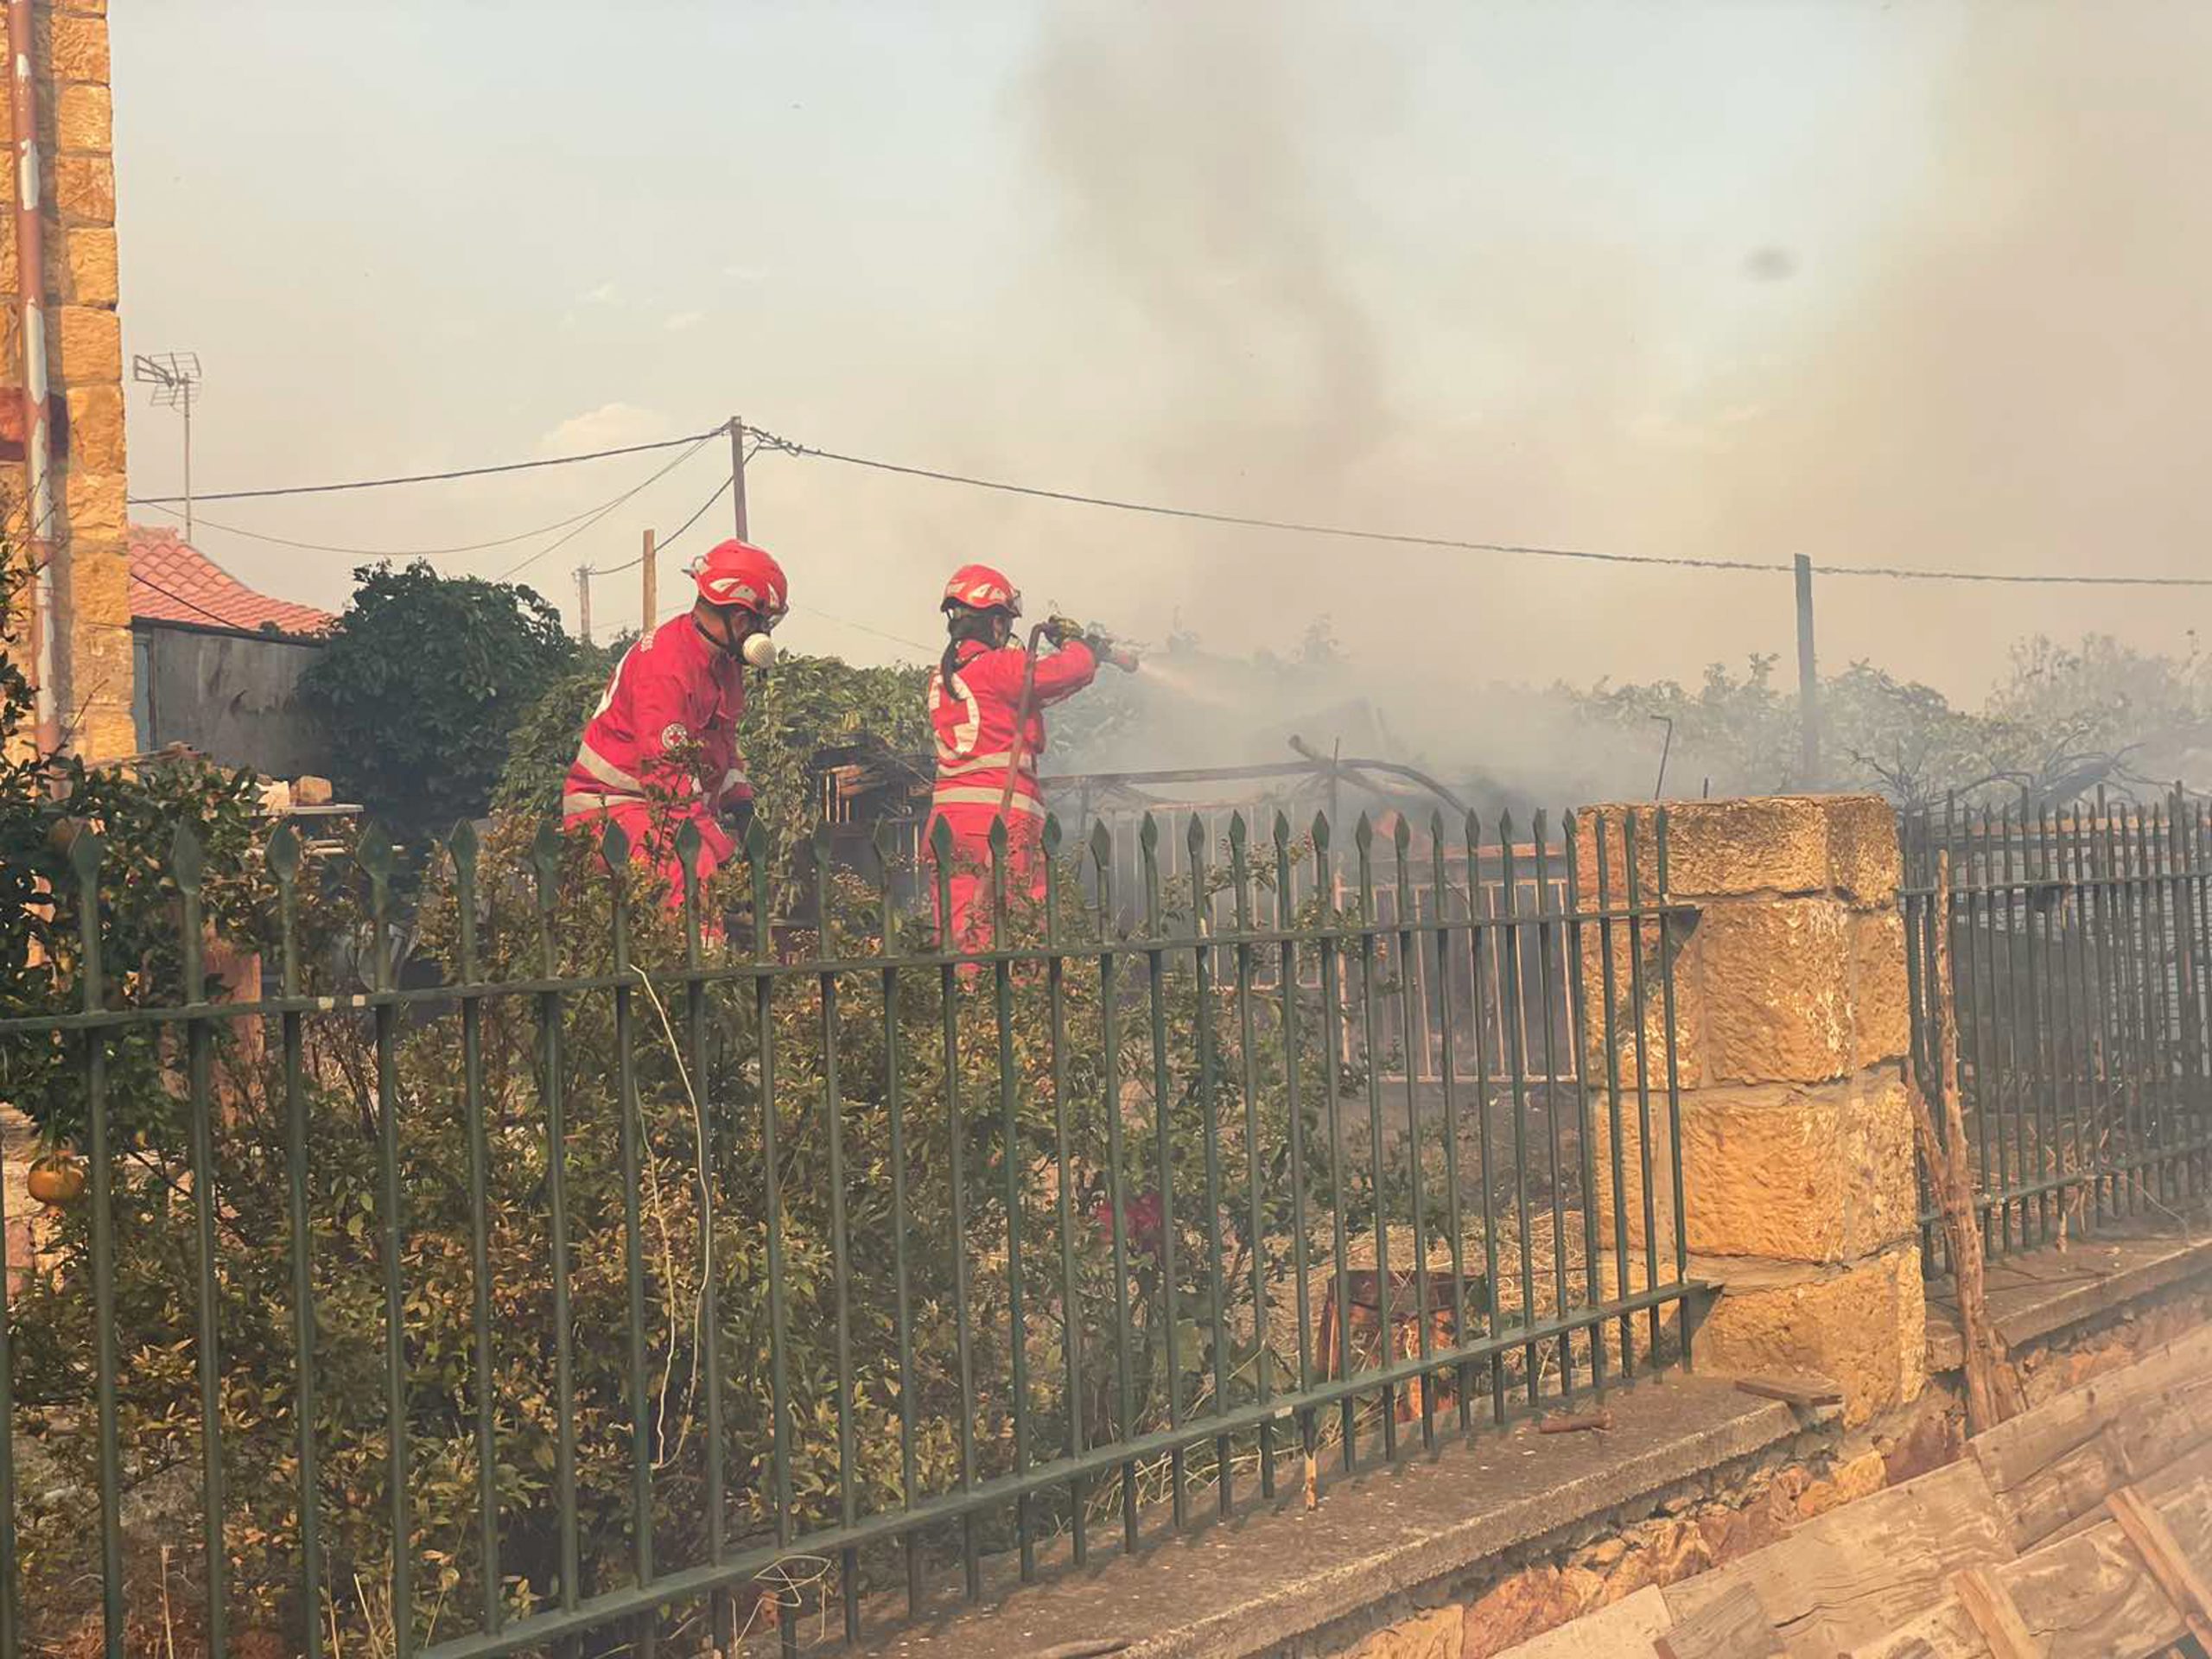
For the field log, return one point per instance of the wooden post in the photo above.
(1992, 1392)
(651, 583)
(1808, 684)
(737, 475)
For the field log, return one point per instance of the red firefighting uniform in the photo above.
(671, 691)
(973, 718)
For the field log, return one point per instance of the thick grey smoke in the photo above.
(2020, 382)
(1182, 142)
(2005, 376)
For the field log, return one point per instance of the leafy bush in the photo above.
(548, 905)
(421, 687)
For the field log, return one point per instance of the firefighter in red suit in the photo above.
(660, 750)
(974, 700)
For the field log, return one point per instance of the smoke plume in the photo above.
(1992, 365)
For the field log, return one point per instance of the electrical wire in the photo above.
(1348, 532)
(661, 543)
(785, 445)
(562, 541)
(862, 627)
(694, 438)
(2032, 578)
(219, 621)
(383, 552)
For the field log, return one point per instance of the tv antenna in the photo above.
(174, 377)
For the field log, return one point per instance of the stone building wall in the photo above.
(85, 367)
(1787, 1050)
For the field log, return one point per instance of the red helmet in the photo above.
(738, 573)
(982, 588)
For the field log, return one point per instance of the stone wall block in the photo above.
(84, 118)
(84, 189)
(1737, 848)
(1881, 996)
(1864, 1324)
(108, 729)
(1881, 1195)
(96, 429)
(99, 588)
(1864, 863)
(73, 46)
(88, 265)
(1607, 880)
(1776, 984)
(84, 347)
(1784, 1172)
(1609, 1027)
(94, 503)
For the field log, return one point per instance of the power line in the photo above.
(1357, 533)
(2022, 577)
(661, 543)
(432, 478)
(390, 552)
(219, 621)
(846, 622)
(562, 541)
(1156, 510)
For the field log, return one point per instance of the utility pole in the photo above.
(737, 473)
(174, 377)
(187, 402)
(1808, 683)
(651, 612)
(584, 602)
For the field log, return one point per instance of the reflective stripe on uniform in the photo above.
(606, 770)
(981, 763)
(960, 797)
(576, 803)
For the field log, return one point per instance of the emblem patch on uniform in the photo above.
(673, 734)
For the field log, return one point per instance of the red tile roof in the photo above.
(171, 580)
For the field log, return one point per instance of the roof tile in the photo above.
(171, 580)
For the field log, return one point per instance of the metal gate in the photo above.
(2058, 957)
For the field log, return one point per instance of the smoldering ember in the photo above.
(1407, 854)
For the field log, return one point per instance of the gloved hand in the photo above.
(737, 817)
(1061, 629)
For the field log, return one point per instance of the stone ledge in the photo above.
(2043, 1293)
(1246, 1587)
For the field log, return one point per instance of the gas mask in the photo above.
(759, 651)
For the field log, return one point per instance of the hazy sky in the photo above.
(1900, 284)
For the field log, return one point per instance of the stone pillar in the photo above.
(1791, 1029)
(85, 367)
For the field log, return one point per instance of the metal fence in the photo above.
(2059, 957)
(664, 1273)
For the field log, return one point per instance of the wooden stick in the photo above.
(1793, 1390)
(1992, 1392)
(1990, 1607)
(2154, 1542)
(1598, 1421)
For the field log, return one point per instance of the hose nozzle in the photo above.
(1119, 652)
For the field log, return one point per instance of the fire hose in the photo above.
(1110, 650)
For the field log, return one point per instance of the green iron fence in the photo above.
(630, 1275)
(2058, 981)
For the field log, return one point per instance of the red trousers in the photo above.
(969, 878)
(653, 840)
